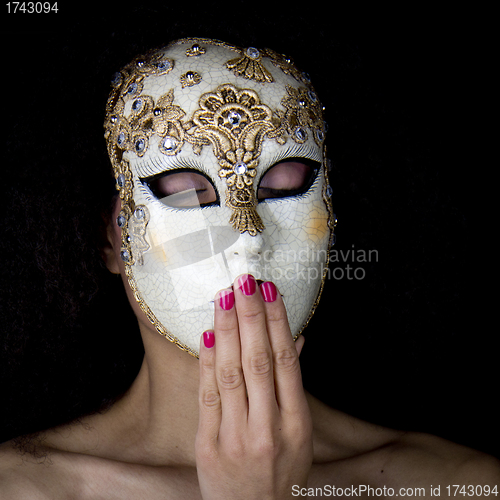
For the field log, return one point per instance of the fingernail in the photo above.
(226, 299)
(247, 284)
(269, 292)
(208, 338)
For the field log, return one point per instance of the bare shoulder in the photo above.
(38, 472)
(447, 462)
(20, 473)
(353, 452)
(339, 436)
(56, 474)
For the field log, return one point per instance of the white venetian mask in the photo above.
(218, 155)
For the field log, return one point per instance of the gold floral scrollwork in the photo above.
(249, 65)
(136, 236)
(285, 64)
(154, 63)
(303, 111)
(235, 122)
(168, 124)
(133, 221)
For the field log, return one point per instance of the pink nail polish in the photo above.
(226, 299)
(269, 292)
(208, 338)
(247, 284)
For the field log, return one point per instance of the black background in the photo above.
(412, 345)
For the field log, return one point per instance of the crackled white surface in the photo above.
(195, 252)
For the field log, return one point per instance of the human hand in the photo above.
(254, 447)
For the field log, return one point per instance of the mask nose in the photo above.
(247, 255)
(249, 246)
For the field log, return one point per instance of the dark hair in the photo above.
(67, 347)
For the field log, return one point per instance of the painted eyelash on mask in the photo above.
(159, 165)
(296, 151)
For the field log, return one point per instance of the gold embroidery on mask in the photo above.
(189, 79)
(249, 65)
(136, 233)
(195, 50)
(235, 123)
(303, 111)
(286, 65)
(133, 220)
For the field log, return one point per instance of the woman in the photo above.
(227, 142)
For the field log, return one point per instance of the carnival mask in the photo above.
(218, 157)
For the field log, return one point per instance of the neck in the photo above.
(161, 407)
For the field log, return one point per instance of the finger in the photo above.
(210, 410)
(257, 360)
(229, 372)
(288, 380)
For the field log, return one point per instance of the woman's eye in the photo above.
(287, 178)
(182, 189)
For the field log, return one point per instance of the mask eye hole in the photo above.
(288, 178)
(184, 188)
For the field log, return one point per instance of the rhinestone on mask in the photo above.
(137, 105)
(140, 145)
(252, 53)
(139, 213)
(121, 220)
(120, 140)
(300, 134)
(125, 255)
(132, 88)
(163, 65)
(120, 180)
(169, 143)
(240, 168)
(234, 118)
